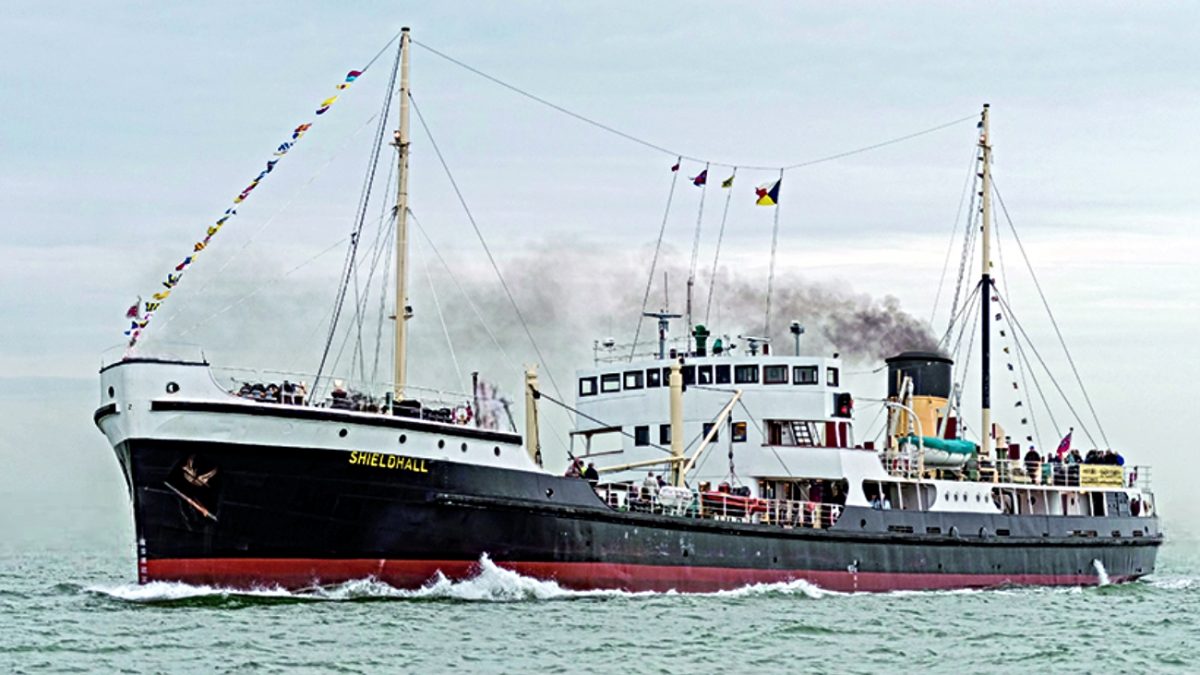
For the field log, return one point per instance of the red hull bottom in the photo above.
(298, 573)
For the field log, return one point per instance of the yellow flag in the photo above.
(162, 295)
(328, 102)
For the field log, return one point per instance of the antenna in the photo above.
(664, 322)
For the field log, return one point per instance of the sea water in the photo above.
(78, 612)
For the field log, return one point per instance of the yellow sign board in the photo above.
(1101, 475)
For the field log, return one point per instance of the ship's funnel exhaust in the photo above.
(931, 377)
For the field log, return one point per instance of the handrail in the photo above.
(722, 506)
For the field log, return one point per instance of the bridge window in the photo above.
(633, 379)
(704, 375)
(775, 374)
(707, 428)
(587, 386)
(745, 375)
(722, 374)
(804, 375)
(653, 378)
(641, 435)
(664, 434)
(831, 377)
(689, 374)
(610, 382)
(739, 432)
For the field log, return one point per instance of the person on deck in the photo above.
(1032, 459)
(590, 474)
(575, 470)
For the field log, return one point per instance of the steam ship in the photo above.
(715, 466)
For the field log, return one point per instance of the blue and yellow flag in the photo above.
(768, 193)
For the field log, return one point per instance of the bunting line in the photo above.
(142, 311)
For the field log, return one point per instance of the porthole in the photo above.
(343, 433)
(464, 447)
(172, 387)
(862, 524)
(978, 497)
(112, 393)
(441, 443)
(403, 438)
(497, 450)
(549, 492)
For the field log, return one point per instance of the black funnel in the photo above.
(931, 373)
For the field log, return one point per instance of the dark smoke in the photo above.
(571, 299)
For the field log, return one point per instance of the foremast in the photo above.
(403, 310)
(985, 286)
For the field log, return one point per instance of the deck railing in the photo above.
(722, 506)
(1019, 471)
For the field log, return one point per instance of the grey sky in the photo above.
(128, 127)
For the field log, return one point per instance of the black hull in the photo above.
(296, 517)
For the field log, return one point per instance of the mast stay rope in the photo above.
(654, 261)
(1053, 322)
(483, 242)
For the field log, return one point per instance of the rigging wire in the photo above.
(654, 262)
(1020, 366)
(1054, 322)
(303, 188)
(605, 425)
(691, 282)
(259, 287)
(958, 214)
(384, 280)
(479, 234)
(442, 319)
(558, 435)
(1053, 380)
(666, 151)
(966, 263)
(364, 198)
(712, 279)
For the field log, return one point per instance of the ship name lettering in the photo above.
(384, 461)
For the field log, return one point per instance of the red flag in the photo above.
(675, 167)
(134, 309)
(1064, 446)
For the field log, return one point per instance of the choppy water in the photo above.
(81, 613)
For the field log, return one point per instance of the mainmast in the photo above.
(985, 286)
(403, 310)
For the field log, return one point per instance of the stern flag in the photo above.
(700, 179)
(768, 193)
(1064, 446)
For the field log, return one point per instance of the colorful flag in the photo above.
(675, 167)
(161, 295)
(151, 306)
(179, 268)
(353, 75)
(282, 149)
(700, 179)
(727, 183)
(132, 312)
(325, 105)
(1064, 446)
(768, 193)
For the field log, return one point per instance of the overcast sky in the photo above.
(127, 127)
